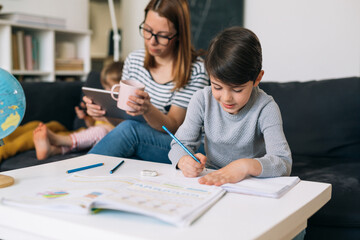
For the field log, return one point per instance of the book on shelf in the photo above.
(35, 53)
(25, 51)
(21, 49)
(71, 64)
(35, 20)
(174, 202)
(28, 52)
(15, 52)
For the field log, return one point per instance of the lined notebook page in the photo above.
(266, 187)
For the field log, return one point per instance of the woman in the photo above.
(171, 71)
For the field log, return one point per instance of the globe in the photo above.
(12, 104)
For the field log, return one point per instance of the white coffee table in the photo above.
(235, 216)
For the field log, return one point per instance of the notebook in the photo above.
(103, 98)
(274, 187)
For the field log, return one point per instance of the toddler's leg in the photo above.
(55, 126)
(87, 138)
(42, 144)
(22, 129)
(21, 143)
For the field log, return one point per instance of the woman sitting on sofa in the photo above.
(171, 71)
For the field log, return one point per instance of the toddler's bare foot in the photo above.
(42, 144)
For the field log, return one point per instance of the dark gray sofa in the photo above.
(321, 123)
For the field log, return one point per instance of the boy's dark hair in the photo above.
(234, 56)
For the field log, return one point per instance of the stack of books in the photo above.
(66, 57)
(63, 64)
(35, 20)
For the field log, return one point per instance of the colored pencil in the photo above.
(84, 168)
(181, 145)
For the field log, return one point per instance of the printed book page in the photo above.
(171, 201)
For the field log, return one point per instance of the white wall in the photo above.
(132, 13)
(306, 39)
(74, 11)
(301, 39)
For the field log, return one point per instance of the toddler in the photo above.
(48, 143)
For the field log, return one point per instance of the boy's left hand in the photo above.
(233, 172)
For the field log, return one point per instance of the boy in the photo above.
(242, 124)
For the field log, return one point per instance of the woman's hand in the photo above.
(92, 109)
(191, 168)
(140, 103)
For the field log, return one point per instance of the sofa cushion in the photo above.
(341, 210)
(28, 159)
(321, 118)
(48, 101)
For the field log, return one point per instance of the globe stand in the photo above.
(5, 181)
(12, 110)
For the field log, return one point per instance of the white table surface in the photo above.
(234, 216)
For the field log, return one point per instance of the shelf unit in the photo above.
(47, 38)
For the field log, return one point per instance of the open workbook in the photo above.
(173, 202)
(173, 199)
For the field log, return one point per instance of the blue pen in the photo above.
(116, 167)
(84, 168)
(181, 145)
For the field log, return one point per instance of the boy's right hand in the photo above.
(93, 110)
(191, 168)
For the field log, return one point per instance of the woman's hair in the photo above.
(234, 56)
(177, 12)
(111, 71)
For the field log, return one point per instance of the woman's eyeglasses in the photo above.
(160, 39)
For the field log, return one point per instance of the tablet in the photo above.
(103, 98)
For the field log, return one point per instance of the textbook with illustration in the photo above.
(173, 202)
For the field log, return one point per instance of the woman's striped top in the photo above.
(161, 95)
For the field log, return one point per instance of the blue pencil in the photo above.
(84, 168)
(181, 145)
(116, 167)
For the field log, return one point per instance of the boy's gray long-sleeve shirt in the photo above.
(255, 132)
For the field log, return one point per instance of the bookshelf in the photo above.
(43, 41)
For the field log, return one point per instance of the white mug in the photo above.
(126, 88)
